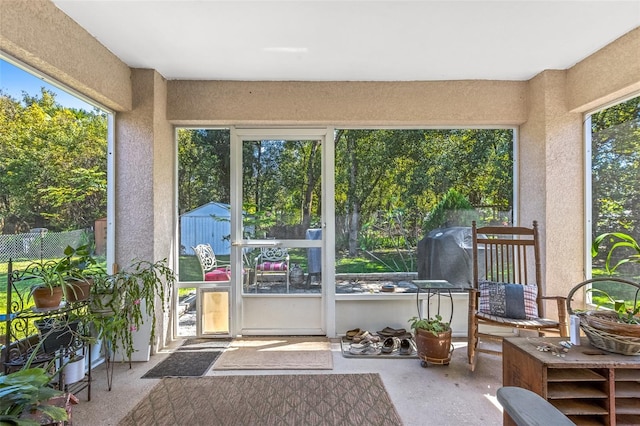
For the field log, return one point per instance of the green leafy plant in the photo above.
(434, 325)
(626, 314)
(76, 265)
(118, 299)
(29, 390)
(619, 240)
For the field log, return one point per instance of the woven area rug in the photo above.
(277, 353)
(309, 399)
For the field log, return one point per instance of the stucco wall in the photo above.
(609, 74)
(145, 179)
(347, 103)
(38, 34)
(551, 176)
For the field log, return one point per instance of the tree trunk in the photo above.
(353, 230)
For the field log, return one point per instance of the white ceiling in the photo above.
(357, 40)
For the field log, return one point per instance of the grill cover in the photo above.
(447, 254)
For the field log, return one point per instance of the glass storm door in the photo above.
(277, 230)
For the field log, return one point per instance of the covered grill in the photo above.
(446, 254)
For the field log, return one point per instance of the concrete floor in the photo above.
(436, 395)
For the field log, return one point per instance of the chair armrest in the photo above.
(563, 315)
(527, 408)
(559, 298)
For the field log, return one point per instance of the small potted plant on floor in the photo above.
(433, 339)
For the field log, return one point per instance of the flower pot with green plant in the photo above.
(28, 394)
(78, 269)
(122, 302)
(50, 290)
(69, 277)
(433, 340)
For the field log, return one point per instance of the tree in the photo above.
(52, 163)
(616, 168)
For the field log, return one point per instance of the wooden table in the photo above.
(588, 385)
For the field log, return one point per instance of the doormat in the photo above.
(345, 344)
(184, 363)
(303, 399)
(277, 353)
(202, 344)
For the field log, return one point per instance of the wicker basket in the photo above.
(604, 340)
(603, 329)
(608, 321)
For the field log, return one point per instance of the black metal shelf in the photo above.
(21, 337)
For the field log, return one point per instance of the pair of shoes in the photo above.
(405, 347)
(390, 344)
(351, 333)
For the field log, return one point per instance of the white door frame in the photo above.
(326, 306)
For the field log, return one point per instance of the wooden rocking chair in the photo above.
(507, 286)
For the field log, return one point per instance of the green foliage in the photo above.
(626, 314)
(434, 325)
(29, 389)
(615, 168)
(453, 210)
(127, 292)
(619, 241)
(52, 164)
(26, 390)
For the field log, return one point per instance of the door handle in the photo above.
(256, 243)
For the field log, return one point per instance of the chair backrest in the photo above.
(507, 255)
(207, 258)
(270, 254)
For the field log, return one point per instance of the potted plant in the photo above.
(78, 269)
(48, 293)
(122, 302)
(57, 332)
(27, 394)
(69, 277)
(433, 339)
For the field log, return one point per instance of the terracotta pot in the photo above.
(47, 298)
(78, 290)
(433, 347)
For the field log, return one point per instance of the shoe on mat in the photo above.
(372, 350)
(387, 332)
(352, 333)
(390, 344)
(371, 338)
(405, 347)
(359, 346)
(361, 336)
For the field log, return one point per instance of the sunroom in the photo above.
(544, 111)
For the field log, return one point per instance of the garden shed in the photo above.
(209, 223)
